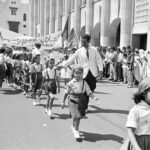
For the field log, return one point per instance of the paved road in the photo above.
(26, 127)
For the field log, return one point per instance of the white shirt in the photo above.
(2, 59)
(139, 118)
(8, 60)
(51, 73)
(120, 57)
(75, 86)
(94, 62)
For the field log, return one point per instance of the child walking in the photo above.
(36, 78)
(51, 76)
(77, 102)
(138, 122)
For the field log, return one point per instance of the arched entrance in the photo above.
(115, 32)
(95, 35)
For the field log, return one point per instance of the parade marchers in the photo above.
(27, 70)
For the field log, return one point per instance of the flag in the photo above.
(65, 31)
(73, 39)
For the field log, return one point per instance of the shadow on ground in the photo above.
(94, 137)
(10, 91)
(100, 110)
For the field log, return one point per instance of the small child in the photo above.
(17, 70)
(77, 102)
(138, 122)
(51, 76)
(26, 75)
(36, 78)
(66, 73)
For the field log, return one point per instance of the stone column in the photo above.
(77, 16)
(35, 17)
(105, 22)
(58, 15)
(46, 17)
(67, 9)
(31, 17)
(148, 35)
(126, 22)
(89, 17)
(41, 17)
(52, 16)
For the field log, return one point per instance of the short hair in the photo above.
(113, 48)
(128, 47)
(38, 45)
(86, 36)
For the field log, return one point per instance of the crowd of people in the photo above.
(128, 65)
(34, 71)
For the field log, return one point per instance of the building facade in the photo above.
(109, 22)
(14, 16)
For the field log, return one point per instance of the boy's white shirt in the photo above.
(51, 73)
(139, 118)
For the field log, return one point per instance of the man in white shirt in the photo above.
(89, 58)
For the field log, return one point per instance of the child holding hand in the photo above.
(75, 92)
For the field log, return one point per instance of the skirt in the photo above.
(77, 105)
(2, 71)
(143, 142)
(9, 70)
(37, 80)
(50, 86)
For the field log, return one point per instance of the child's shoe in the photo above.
(76, 134)
(49, 112)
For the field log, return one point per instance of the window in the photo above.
(24, 26)
(24, 17)
(13, 10)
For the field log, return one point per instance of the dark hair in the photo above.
(38, 45)
(47, 62)
(66, 57)
(138, 97)
(128, 47)
(2, 50)
(86, 36)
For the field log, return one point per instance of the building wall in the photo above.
(113, 21)
(5, 15)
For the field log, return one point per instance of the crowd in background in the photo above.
(128, 65)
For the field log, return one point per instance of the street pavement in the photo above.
(27, 127)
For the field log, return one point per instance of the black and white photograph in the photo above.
(74, 74)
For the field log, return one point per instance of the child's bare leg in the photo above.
(77, 122)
